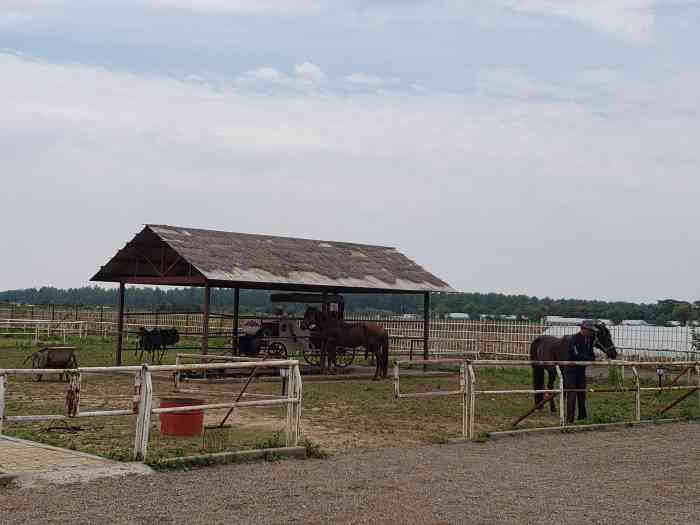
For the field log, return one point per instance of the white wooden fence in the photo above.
(144, 386)
(38, 328)
(468, 387)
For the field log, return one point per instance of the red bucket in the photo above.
(182, 424)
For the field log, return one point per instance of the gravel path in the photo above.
(641, 475)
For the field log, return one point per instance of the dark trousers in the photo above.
(575, 377)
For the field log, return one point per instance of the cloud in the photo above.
(372, 81)
(307, 76)
(628, 20)
(474, 186)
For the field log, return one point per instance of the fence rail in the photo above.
(143, 385)
(469, 392)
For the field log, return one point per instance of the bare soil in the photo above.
(642, 475)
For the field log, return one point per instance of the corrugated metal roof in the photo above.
(227, 258)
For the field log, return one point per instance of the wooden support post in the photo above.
(143, 422)
(562, 403)
(236, 307)
(684, 396)
(120, 323)
(2, 400)
(73, 395)
(637, 396)
(205, 320)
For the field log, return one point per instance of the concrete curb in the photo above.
(570, 429)
(243, 455)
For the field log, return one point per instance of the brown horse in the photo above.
(550, 348)
(335, 333)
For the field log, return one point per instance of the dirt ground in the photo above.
(632, 475)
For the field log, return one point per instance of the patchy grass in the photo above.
(338, 415)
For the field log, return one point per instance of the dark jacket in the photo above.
(581, 348)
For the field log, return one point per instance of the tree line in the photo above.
(474, 304)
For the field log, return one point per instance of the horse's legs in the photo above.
(376, 350)
(551, 374)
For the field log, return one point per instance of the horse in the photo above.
(550, 348)
(336, 333)
(156, 341)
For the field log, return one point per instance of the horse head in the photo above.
(604, 341)
(312, 318)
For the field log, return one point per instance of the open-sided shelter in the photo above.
(176, 256)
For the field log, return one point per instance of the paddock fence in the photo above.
(469, 390)
(143, 399)
(505, 339)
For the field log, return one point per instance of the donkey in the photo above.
(59, 358)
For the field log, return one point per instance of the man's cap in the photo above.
(589, 324)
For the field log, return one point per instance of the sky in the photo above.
(542, 147)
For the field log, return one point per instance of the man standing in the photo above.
(580, 349)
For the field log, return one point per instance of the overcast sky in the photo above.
(545, 147)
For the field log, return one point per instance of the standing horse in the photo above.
(550, 348)
(336, 333)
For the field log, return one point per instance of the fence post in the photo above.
(637, 396)
(293, 393)
(143, 423)
(298, 405)
(176, 376)
(2, 400)
(73, 395)
(697, 377)
(471, 385)
(463, 381)
(562, 404)
(396, 380)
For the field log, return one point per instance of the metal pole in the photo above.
(236, 305)
(205, 320)
(120, 322)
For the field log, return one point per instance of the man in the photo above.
(580, 349)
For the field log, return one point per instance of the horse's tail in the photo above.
(537, 371)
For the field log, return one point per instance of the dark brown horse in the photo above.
(550, 348)
(336, 333)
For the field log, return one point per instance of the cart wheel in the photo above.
(312, 356)
(344, 357)
(277, 349)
